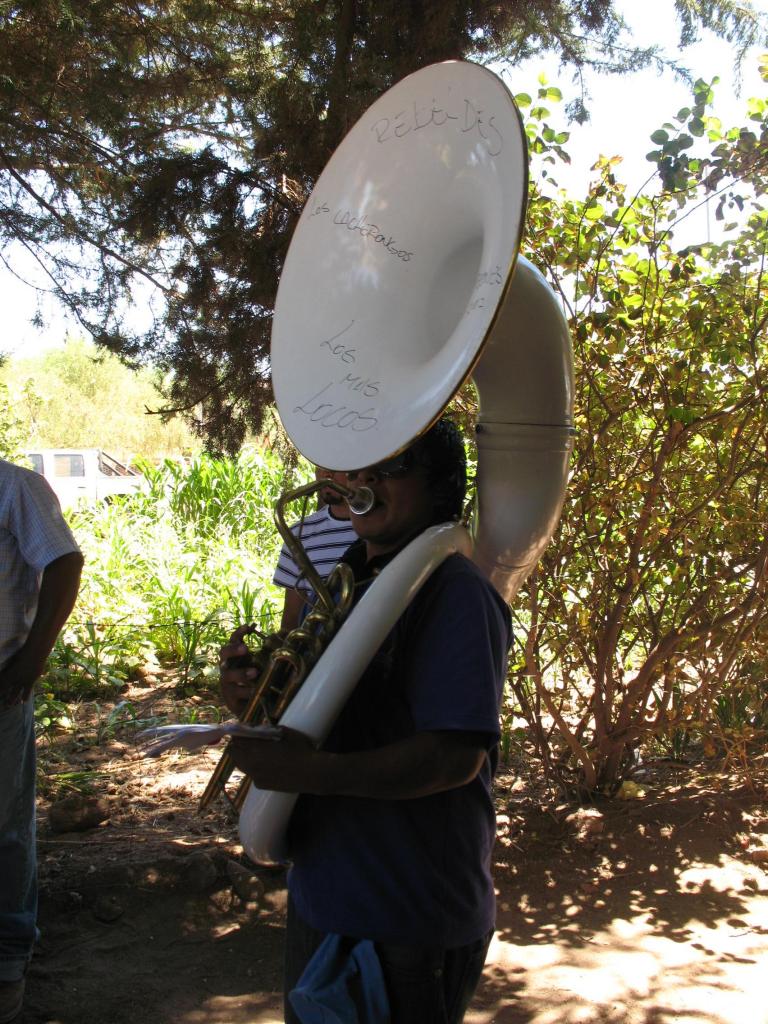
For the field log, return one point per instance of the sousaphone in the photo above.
(402, 279)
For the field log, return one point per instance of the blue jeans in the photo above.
(424, 985)
(18, 864)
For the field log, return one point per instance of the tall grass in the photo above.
(170, 572)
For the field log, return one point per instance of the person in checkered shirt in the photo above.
(40, 566)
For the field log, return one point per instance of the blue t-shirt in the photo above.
(413, 872)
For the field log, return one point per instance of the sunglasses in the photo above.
(391, 469)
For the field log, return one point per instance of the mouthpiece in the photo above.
(361, 501)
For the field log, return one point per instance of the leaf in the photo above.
(680, 414)
(631, 791)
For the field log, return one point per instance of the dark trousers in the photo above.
(424, 985)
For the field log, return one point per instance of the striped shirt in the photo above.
(325, 540)
(32, 535)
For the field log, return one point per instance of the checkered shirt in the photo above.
(32, 535)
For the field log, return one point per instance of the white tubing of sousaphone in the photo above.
(398, 264)
(265, 814)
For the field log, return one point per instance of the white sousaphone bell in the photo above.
(402, 279)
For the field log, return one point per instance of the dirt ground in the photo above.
(641, 911)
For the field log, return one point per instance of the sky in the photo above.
(624, 112)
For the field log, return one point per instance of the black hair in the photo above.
(440, 452)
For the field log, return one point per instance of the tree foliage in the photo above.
(11, 433)
(80, 397)
(158, 154)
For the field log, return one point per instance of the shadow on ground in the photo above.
(657, 913)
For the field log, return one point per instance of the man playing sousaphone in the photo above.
(390, 841)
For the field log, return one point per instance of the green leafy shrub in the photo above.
(169, 573)
(650, 601)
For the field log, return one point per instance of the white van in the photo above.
(84, 474)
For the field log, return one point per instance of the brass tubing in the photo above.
(308, 570)
(295, 679)
(226, 765)
(296, 653)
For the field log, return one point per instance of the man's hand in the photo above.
(16, 681)
(288, 765)
(237, 681)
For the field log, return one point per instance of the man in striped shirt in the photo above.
(325, 536)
